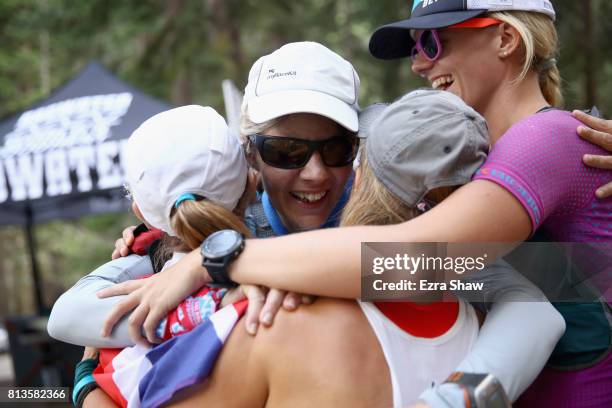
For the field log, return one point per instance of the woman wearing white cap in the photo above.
(299, 119)
(500, 60)
(298, 129)
(298, 125)
(187, 176)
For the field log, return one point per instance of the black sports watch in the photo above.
(480, 390)
(218, 251)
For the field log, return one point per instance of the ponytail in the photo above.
(550, 84)
(193, 221)
(540, 46)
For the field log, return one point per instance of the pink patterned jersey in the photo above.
(539, 160)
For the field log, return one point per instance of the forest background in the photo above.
(181, 50)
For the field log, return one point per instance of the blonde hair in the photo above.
(193, 221)
(371, 203)
(540, 46)
(248, 127)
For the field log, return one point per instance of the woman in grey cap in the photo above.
(417, 152)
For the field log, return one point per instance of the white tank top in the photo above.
(416, 363)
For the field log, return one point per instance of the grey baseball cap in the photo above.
(367, 116)
(425, 140)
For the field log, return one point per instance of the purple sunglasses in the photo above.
(428, 44)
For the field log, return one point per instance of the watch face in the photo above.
(221, 243)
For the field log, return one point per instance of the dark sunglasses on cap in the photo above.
(428, 42)
(291, 153)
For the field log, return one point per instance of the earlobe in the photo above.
(510, 40)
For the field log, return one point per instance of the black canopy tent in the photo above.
(61, 158)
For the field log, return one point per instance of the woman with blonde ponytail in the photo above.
(187, 177)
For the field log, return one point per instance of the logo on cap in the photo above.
(273, 74)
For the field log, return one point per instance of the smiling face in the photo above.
(469, 65)
(305, 197)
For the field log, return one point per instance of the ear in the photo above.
(250, 153)
(509, 40)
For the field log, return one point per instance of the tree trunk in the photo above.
(181, 88)
(45, 55)
(225, 25)
(590, 60)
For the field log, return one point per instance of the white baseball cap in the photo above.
(179, 151)
(303, 77)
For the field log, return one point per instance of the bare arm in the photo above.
(327, 262)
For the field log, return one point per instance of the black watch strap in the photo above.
(217, 262)
(218, 272)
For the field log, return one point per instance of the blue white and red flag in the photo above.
(149, 376)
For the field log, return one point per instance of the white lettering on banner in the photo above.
(108, 166)
(27, 173)
(82, 159)
(57, 173)
(78, 121)
(3, 187)
(50, 142)
(25, 176)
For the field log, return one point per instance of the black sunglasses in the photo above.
(291, 153)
